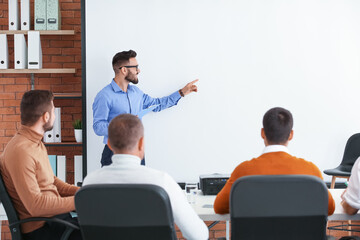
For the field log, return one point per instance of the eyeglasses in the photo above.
(136, 66)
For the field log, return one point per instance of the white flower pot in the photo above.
(78, 135)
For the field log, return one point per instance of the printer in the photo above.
(211, 184)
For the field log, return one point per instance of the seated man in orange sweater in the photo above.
(28, 176)
(275, 160)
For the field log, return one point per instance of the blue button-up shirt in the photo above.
(111, 101)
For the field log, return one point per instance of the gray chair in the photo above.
(14, 222)
(279, 207)
(132, 211)
(351, 153)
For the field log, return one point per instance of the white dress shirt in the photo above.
(127, 169)
(275, 148)
(352, 194)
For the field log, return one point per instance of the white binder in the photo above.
(40, 14)
(4, 52)
(13, 15)
(57, 125)
(78, 169)
(20, 52)
(61, 168)
(53, 15)
(25, 14)
(34, 50)
(49, 136)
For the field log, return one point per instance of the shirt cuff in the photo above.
(175, 96)
(351, 200)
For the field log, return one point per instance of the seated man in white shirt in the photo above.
(351, 196)
(126, 139)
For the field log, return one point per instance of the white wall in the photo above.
(250, 55)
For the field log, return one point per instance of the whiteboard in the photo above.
(250, 56)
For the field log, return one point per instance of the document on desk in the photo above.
(147, 110)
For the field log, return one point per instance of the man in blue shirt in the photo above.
(119, 97)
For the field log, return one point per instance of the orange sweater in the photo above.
(273, 163)
(30, 181)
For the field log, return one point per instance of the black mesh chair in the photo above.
(279, 207)
(14, 222)
(351, 153)
(132, 211)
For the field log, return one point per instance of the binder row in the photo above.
(54, 135)
(58, 165)
(24, 56)
(47, 15)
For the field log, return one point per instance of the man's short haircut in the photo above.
(122, 58)
(125, 132)
(277, 123)
(34, 104)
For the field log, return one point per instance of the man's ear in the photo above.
(108, 143)
(291, 135)
(263, 133)
(46, 117)
(141, 144)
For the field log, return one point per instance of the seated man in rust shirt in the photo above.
(27, 173)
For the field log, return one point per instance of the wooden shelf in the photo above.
(67, 95)
(64, 144)
(42, 32)
(43, 70)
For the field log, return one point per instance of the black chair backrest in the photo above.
(10, 211)
(279, 207)
(352, 151)
(129, 211)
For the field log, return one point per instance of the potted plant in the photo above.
(78, 130)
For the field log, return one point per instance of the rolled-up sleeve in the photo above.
(164, 102)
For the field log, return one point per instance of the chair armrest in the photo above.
(36, 219)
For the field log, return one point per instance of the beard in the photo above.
(132, 78)
(47, 126)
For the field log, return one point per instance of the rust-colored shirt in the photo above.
(272, 163)
(30, 181)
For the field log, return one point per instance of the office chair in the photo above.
(132, 211)
(14, 222)
(279, 207)
(351, 153)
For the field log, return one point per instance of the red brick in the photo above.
(22, 80)
(7, 95)
(67, 14)
(62, 59)
(10, 103)
(10, 133)
(49, 80)
(11, 118)
(70, 6)
(16, 88)
(7, 80)
(19, 95)
(51, 51)
(71, 21)
(61, 44)
(71, 51)
(7, 110)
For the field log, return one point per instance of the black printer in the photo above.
(211, 184)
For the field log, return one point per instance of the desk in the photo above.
(208, 214)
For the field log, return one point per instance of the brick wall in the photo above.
(58, 52)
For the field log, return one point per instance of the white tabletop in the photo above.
(208, 214)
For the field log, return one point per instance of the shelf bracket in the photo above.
(32, 81)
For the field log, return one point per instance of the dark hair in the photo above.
(34, 104)
(277, 123)
(122, 58)
(125, 131)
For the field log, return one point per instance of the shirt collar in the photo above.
(275, 148)
(30, 134)
(116, 87)
(119, 159)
